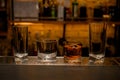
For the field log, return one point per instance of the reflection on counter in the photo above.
(33, 60)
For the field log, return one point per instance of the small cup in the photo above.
(72, 53)
(47, 50)
(97, 40)
(20, 42)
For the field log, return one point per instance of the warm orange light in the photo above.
(27, 23)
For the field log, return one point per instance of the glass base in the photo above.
(93, 60)
(47, 58)
(21, 57)
(72, 59)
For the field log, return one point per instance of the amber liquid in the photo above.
(72, 53)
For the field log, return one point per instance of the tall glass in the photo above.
(20, 42)
(97, 40)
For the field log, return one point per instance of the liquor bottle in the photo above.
(40, 6)
(46, 8)
(53, 10)
(118, 10)
(83, 12)
(67, 10)
(75, 9)
(98, 12)
(60, 14)
(112, 12)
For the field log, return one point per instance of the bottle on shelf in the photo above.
(112, 12)
(75, 9)
(46, 9)
(53, 10)
(60, 13)
(40, 7)
(98, 12)
(83, 12)
(67, 10)
(118, 10)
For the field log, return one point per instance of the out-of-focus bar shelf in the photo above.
(49, 20)
(55, 22)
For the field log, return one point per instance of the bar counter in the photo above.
(32, 69)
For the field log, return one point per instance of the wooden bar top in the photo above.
(33, 70)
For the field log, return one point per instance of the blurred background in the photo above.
(60, 20)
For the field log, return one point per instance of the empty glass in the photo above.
(97, 40)
(20, 42)
(47, 50)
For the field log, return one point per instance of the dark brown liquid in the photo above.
(72, 53)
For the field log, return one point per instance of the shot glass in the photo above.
(72, 53)
(97, 41)
(20, 42)
(47, 51)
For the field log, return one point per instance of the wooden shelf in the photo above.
(57, 22)
(49, 20)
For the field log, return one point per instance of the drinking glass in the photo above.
(97, 41)
(47, 50)
(72, 53)
(20, 42)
